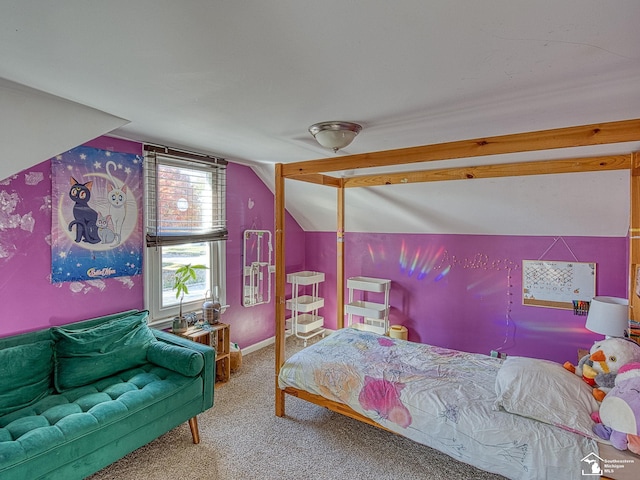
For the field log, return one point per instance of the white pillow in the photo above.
(547, 392)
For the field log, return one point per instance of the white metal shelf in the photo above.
(305, 278)
(367, 309)
(305, 303)
(368, 284)
(375, 315)
(305, 322)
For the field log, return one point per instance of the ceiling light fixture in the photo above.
(335, 135)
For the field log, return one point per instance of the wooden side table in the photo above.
(217, 336)
(582, 352)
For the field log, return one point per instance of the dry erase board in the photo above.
(557, 284)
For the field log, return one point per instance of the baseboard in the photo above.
(269, 341)
(258, 346)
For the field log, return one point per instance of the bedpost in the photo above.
(634, 238)
(280, 285)
(340, 259)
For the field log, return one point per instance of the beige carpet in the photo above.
(242, 439)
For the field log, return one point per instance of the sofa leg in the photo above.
(193, 424)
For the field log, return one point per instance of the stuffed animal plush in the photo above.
(588, 376)
(619, 413)
(600, 367)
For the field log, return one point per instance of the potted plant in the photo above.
(182, 276)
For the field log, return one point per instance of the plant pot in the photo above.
(180, 324)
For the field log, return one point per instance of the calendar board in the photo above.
(557, 284)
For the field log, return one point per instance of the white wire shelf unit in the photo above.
(374, 315)
(304, 304)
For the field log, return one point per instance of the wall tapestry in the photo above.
(96, 229)
(557, 284)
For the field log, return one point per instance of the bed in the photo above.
(473, 407)
(478, 409)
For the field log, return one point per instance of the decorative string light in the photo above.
(443, 262)
(480, 261)
(508, 319)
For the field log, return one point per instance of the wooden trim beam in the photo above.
(331, 405)
(543, 167)
(580, 136)
(319, 179)
(280, 290)
(634, 238)
(340, 260)
(635, 164)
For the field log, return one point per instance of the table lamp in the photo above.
(608, 316)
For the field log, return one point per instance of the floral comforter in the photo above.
(438, 397)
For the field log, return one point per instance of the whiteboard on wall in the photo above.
(557, 284)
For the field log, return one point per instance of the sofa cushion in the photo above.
(26, 374)
(90, 417)
(179, 359)
(85, 355)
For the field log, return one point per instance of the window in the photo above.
(185, 224)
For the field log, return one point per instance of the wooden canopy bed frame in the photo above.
(317, 172)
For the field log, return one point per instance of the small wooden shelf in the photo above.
(217, 336)
(582, 352)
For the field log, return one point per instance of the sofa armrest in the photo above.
(183, 360)
(208, 355)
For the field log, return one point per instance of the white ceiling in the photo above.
(245, 78)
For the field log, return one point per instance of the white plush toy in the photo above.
(600, 367)
(619, 415)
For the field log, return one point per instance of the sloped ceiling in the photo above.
(245, 79)
(37, 126)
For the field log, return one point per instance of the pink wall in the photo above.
(453, 290)
(250, 206)
(28, 300)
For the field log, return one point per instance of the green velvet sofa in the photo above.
(74, 399)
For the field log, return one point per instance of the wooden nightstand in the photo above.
(582, 352)
(217, 336)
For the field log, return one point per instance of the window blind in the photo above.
(185, 197)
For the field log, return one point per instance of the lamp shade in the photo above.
(334, 135)
(609, 316)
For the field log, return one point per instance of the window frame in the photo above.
(153, 284)
(160, 316)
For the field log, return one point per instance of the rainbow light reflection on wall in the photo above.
(422, 262)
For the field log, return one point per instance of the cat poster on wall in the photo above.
(96, 229)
